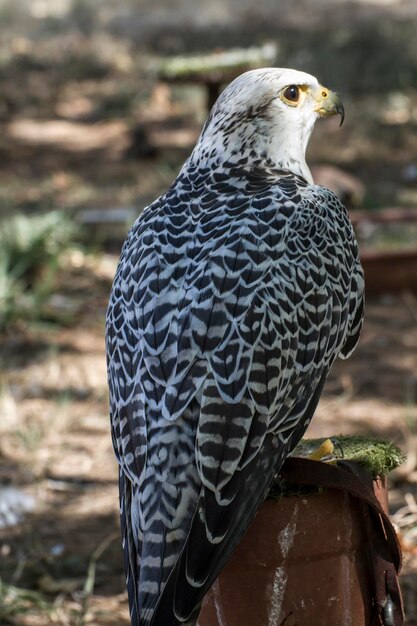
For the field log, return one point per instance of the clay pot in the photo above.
(303, 562)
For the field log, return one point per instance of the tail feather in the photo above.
(202, 560)
(129, 548)
(156, 516)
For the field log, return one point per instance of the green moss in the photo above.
(377, 456)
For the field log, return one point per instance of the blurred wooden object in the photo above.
(390, 271)
(389, 215)
(347, 187)
(387, 270)
(213, 70)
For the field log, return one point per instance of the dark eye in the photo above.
(292, 93)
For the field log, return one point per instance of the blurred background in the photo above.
(100, 103)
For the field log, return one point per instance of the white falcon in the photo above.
(235, 292)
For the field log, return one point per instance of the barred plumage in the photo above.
(235, 292)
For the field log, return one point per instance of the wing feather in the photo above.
(232, 298)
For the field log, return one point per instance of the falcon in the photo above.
(235, 292)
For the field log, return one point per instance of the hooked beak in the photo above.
(329, 103)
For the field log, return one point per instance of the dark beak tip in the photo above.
(341, 112)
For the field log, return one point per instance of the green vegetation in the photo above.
(18, 601)
(30, 249)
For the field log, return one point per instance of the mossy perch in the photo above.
(377, 456)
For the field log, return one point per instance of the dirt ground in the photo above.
(85, 125)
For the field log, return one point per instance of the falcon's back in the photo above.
(235, 292)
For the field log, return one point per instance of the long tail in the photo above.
(128, 544)
(201, 560)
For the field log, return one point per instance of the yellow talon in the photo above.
(324, 450)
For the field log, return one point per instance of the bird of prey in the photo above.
(235, 292)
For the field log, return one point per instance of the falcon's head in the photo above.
(266, 114)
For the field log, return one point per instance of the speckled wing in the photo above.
(235, 292)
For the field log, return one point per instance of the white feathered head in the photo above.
(266, 114)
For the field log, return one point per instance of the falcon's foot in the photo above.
(324, 452)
